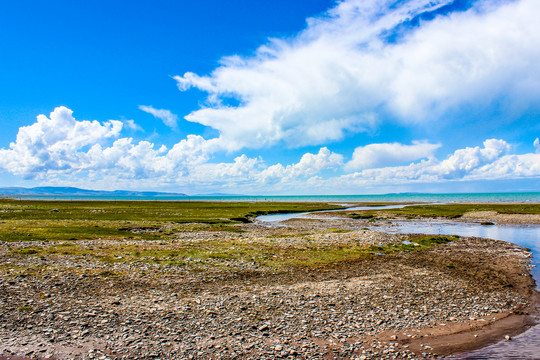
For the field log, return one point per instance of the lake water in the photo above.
(521, 197)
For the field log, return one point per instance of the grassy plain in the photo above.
(179, 269)
(22, 220)
(228, 253)
(155, 232)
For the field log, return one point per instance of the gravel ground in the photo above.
(517, 219)
(76, 307)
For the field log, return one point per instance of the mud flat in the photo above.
(311, 290)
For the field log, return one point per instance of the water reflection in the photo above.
(524, 346)
(526, 236)
(273, 218)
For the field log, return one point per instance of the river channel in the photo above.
(524, 346)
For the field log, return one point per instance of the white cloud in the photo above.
(337, 75)
(242, 170)
(489, 162)
(464, 161)
(309, 165)
(168, 118)
(386, 154)
(143, 160)
(472, 163)
(537, 145)
(130, 124)
(510, 167)
(53, 143)
(62, 145)
(251, 175)
(62, 150)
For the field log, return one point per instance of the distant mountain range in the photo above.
(72, 191)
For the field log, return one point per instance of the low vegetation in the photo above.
(451, 211)
(229, 254)
(79, 220)
(141, 232)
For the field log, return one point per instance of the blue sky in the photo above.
(281, 97)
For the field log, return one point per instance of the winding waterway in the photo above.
(276, 218)
(526, 236)
(527, 344)
(523, 235)
(524, 346)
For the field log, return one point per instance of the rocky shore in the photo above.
(410, 305)
(514, 219)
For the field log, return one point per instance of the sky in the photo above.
(300, 97)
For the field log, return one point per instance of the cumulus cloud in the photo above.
(242, 171)
(340, 73)
(464, 161)
(52, 143)
(60, 144)
(472, 163)
(387, 154)
(168, 118)
(537, 145)
(71, 151)
(509, 167)
(143, 160)
(309, 165)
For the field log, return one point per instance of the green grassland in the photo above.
(77, 220)
(174, 211)
(450, 211)
(52, 230)
(230, 254)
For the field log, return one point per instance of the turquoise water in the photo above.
(521, 197)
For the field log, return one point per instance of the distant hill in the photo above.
(72, 191)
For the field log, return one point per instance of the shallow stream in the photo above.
(524, 346)
(275, 218)
(524, 235)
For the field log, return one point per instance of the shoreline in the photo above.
(462, 340)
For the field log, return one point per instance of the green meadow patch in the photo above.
(54, 228)
(26, 220)
(219, 253)
(169, 211)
